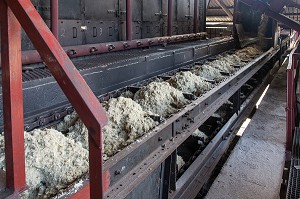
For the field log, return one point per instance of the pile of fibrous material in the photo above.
(208, 72)
(126, 123)
(53, 162)
(226, 63)
(222, 65)
(160, 98)
(188, 82)
(248, 53)
(180, 162)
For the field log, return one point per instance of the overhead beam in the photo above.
(263, 7)
(292, 4)
(225, 9)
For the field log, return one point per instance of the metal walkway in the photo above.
(293, 191)
(254, 168)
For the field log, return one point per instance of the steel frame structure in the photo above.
(291, 109)
(69, 79)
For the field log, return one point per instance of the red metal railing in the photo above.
(291, 96)
(14, 13)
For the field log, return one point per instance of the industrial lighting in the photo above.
(213, 27)
(262, 96)
(243, 127)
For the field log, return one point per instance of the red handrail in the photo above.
(291, 97)
(69, 79)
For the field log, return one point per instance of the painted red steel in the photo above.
(32, 56)
(54, 17)
(72, 83)
(12, 99)
(170, 17)
(129, 20)
(291, 97)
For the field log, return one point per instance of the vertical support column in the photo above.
(12, 99)
(290, 110)
(54, 17)
(196, 16)
(202, 16)
(170, 17)
(129, 20)
(95, 169)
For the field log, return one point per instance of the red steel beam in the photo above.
(129, 20)
(32, 56)
(12, 99)
(54, 17)
(71, 82)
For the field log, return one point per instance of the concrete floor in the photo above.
(254, 168)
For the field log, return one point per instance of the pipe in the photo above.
(129, 20)
(54, 17)
(196, 15)
(170, 17)
(32, 56)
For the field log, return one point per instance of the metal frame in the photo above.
(69, 79)
(291, 112)
(13, 99)
(32, 56)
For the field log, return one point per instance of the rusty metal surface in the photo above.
(12, 99)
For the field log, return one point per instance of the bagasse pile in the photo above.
(56, 157)
(53, 161)
(160, 98)
(208, 72)
(126, 122)
(188, 82)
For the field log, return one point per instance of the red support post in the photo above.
(12, 99)
(291, 98)
(71, 82)
(170, 17)
(54, 17)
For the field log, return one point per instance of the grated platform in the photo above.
(293, 191)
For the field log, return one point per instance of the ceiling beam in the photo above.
(226, 10)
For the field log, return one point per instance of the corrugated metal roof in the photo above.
(293, 13)
(214, 4)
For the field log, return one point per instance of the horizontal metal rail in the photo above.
(33, 56)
